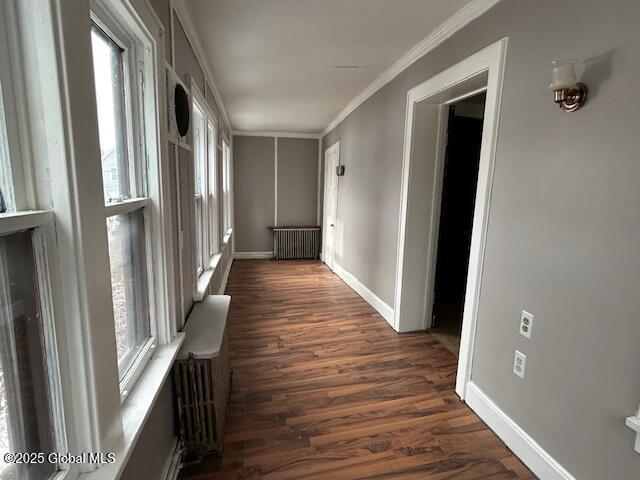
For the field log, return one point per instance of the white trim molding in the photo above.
(460, 19)
(253, 255)
(275, 181)
(173, 463)
(137, 408)
(543, 465)
(412, 305)
(371, 298)
(225, 276)
(242, 133)
(182, 12)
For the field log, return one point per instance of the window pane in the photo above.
(198, 215)
(110, 100)
(6, 187)
(26, 423)
(199, 156)
(199, 148)
(225, 187)
(213, 188)
(211, 148)
(127, 256)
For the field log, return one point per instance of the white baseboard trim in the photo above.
(543, 465)
(253, 255)
(173, 463)
(225, 277)
(381, 307)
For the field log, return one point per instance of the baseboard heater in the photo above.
(296, 242)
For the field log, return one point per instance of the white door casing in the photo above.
(422, 159)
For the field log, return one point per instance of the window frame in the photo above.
(226, 188)
(200, 191)
(55, 125)
(37, 222)
(212, 163)
(23, 215)
(134, 66)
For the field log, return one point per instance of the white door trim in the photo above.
(439, 90)
(329, 261)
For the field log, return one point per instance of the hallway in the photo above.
(323, 388)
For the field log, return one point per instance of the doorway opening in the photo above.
(459, 183)
(420, 194)
(330, 205)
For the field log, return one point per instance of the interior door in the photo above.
(330, 204)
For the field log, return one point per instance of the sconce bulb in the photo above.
(563, 74)
(568, 93)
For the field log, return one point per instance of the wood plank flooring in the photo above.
(324, 389)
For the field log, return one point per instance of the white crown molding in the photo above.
(182, 12)
(242, 133)
(461, 18)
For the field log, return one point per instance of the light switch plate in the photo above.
(519, 364)
(526, 324)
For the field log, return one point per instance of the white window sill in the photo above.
(138, 406)
(203, 285)
(227, 236)
(215, 260)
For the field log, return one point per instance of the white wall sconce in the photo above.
(634, 424)
(568, 93)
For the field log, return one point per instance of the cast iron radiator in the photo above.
(296, 242)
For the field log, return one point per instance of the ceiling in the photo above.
(293, 65)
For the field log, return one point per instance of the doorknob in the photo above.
(332, 225)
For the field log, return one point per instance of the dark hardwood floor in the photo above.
(323, 388)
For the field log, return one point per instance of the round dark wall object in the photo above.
(182, 110)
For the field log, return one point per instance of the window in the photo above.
(51, 283)
(31, 418)
(26, 409)
(118, 84)
(212, 148)
(199, 169)
(226, 186)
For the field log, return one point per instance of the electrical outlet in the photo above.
(526, 324)
(519, 364)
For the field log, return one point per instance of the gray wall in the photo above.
(254, 201)
(563, 227)
(254, 187)
(186, 62)
(297, 181)
(152, 452)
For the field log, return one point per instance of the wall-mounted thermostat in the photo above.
(340, 170)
